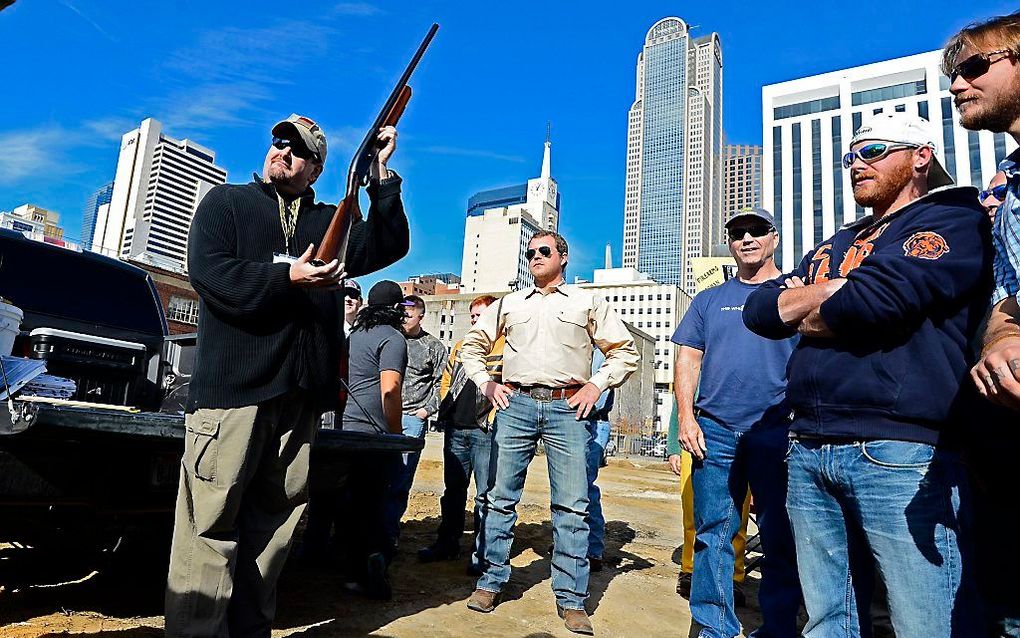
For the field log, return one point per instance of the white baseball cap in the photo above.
(901, 128)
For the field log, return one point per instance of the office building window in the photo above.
(1000, 148)
(837, 170)
(907, 89)
(974, 148)
(777, 185)
(183, 310)
(816, 177)
(922, 109)
(947, 136)
(798, 196)
(806, 108)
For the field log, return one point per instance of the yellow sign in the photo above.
(712, 271)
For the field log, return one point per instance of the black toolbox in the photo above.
(104, 370)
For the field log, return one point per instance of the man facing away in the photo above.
(886, 310)
(426, 358)
(983, 63)
(546, 395)
(466, 417)
(266, 368)
(736, 429)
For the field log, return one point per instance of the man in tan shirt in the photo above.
(547, 394)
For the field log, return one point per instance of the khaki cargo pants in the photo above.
(243, 488)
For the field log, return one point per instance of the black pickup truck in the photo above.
(94, 475)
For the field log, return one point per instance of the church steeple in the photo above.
(546, 168)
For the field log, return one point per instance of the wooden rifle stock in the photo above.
(334, 243)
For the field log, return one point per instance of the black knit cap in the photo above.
(386, 293)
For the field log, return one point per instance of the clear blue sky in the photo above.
(80, 73)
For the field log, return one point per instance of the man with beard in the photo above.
(887, 309)
(266, 368)
(983, 62)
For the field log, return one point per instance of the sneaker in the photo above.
(683, 585)
(435, 553)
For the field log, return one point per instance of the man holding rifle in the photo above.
(269, 340)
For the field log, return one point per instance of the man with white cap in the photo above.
(269, 339)
(887, 309)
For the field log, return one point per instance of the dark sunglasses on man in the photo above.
(977, 65)
(756, 231)
(296, 147)
(998, 192)
(545, 251)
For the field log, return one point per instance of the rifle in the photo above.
(334, 243)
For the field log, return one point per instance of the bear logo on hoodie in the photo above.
(925, 245)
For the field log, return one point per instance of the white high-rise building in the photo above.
(673, 191)
(499, 225)
(807, 127)
(158, 186)
(654, 308)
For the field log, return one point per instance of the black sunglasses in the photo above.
(545, 251)
(758, 230)
(998, 192)
(976, 65)
(296, 147)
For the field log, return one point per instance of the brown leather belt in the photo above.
(545, 393)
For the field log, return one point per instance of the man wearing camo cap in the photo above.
(269, 339)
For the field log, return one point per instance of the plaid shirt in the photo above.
(1006, 233)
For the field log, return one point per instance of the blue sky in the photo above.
(81, 73)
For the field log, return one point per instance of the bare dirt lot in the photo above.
(633, 596)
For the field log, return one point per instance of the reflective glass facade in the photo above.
(798, 195)
(777, 184)
(88, 217)
(816, 178)
(881, 94)
(661, 228)
(947, 136)
(837, 170)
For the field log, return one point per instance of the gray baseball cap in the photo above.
(752, 213)
(307, 130)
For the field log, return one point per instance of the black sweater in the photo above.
(258, 336)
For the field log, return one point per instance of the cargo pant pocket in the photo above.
(201, 446)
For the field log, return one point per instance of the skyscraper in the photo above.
(741, 181)
(158, 186)
(499, 225)
(90, 215)
(807, 125)
(673, 193)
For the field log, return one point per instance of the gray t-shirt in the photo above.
(371, 351)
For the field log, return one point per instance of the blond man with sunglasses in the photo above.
(983, 62)
(887, 309)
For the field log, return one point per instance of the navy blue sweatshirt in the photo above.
(918, 286)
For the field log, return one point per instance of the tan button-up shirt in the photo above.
(549, 339)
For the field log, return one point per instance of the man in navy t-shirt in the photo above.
(737, 429)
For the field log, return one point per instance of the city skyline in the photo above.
(210, 77)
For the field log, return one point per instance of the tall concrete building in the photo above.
(499, 225)
(99, 199)
(807, 127)
(673, 191)
(158, 186)
(741, 181)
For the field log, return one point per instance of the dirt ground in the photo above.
(633, 596)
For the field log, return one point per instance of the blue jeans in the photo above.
(734, 461)
(401, 480)
(894, 504)
(599, 439)
(517, 432)
(466, 452)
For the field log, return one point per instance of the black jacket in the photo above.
(918, 284)
(259, 337)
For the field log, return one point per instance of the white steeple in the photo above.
(543, 200)
(546, 171)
